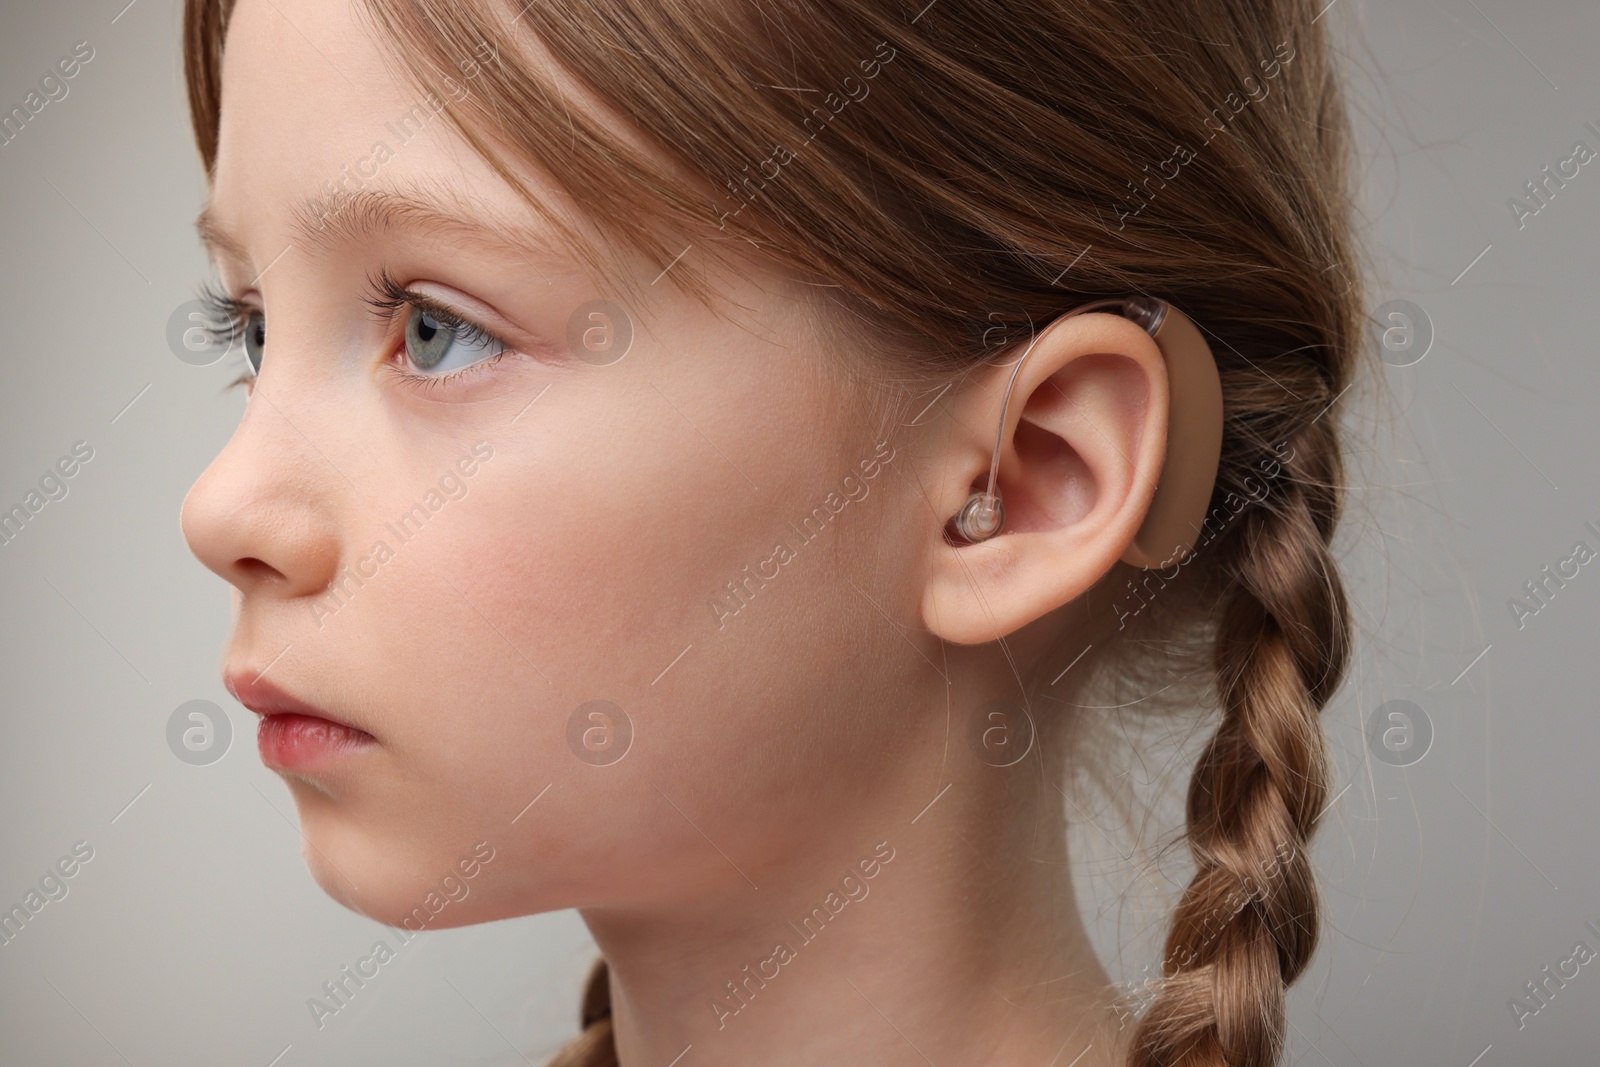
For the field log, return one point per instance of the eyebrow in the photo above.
(373, 212)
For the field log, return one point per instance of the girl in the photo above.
(707, 463)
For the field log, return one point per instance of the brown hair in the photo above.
(947, 169)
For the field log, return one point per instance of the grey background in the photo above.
(195, 934)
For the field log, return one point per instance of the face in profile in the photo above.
(710, 570)
(496, 593)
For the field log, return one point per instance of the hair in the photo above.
(942, 170)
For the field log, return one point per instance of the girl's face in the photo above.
(453, 537)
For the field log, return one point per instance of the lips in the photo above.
(294, 735)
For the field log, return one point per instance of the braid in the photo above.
(595, 1046)
(1246, 926)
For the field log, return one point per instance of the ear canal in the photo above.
(1194, 446)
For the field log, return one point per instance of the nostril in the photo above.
(255, 570)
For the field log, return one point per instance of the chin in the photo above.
(388, 885)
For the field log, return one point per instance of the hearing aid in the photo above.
(1194, 438)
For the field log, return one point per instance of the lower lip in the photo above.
(292, 742)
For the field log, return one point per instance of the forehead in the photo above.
(304, 85)
(315, 107)
(317, 104)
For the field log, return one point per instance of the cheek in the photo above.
(580, 566)
(489, 629)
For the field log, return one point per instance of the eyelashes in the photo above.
(225, 316)
(230, 321)
(226, 320)
(387, 297)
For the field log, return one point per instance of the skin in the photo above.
(829, 715)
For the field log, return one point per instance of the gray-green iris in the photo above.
(427, 339)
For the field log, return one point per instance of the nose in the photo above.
(261, 514)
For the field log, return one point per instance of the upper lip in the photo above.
(265, 698)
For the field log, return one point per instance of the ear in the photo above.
(1081, 454)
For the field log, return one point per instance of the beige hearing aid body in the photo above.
(1194, 446)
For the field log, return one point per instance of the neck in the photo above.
(925, 931)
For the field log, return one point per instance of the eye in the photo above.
(230, 321)
(438, 343)
(255, 339)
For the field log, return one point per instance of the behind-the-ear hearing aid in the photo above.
(1194, 438)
